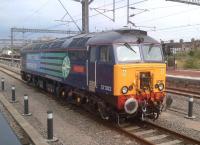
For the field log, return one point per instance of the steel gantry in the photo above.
(26, 30)
(85, 14)
(192, 2)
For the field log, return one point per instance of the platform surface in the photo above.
(185, 73)
(7, 136)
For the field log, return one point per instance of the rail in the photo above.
(8, 58)
(185, 93)
(151, 133)
(8, 61)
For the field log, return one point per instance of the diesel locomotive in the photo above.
(117, 73)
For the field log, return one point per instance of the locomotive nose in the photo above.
(131, 105)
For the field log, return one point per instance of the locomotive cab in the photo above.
(128, 73)
(140, 78)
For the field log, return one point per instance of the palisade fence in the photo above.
(8, 61)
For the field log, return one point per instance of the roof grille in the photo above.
(132, 31)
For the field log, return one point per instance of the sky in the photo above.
(162, 19)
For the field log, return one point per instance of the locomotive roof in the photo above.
(121, 36)
(82, 40)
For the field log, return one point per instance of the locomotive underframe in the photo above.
(101, 103)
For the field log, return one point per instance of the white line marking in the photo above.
(145, 132)
(156, 137)
(132, 128)
(170, 142)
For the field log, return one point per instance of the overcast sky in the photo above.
(162, 19)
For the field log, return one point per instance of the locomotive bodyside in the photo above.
(56, 63)
(117, 72)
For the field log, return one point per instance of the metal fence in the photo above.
(8, 61)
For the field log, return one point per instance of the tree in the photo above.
(181, 40)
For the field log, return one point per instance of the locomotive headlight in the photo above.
(161, 86)
(124, 89)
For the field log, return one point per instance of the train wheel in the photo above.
(78, 101)
(35, 81)
(102, 111)
(23, 76)
(56, 91)
(167, 102)
(28, 78)
(62, 93)
(44, 86)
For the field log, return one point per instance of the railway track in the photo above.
(153, 134)
(182, 92)
(146, 132)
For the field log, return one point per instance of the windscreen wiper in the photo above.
(150, 47)
(129, 47)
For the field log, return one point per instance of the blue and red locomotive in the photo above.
(119, 72)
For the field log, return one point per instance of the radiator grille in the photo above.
(145, 80)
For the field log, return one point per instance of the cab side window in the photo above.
(105, 55)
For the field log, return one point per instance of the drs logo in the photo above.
(66, 67)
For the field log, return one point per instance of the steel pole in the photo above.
(127, 12)
(12, 37)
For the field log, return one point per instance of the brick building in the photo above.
(174, 47)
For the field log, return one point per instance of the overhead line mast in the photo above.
(85, 14)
